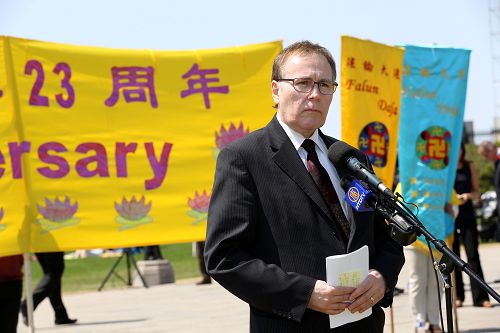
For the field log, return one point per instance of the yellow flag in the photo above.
(117, 147)
(13, 233)
(370, 101)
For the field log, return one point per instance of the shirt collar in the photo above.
(297, 138)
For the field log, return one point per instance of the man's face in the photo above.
(303, 112)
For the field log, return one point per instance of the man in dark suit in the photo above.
(272, 223)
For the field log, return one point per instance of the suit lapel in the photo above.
(288, 160)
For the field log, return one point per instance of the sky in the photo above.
(199, 24)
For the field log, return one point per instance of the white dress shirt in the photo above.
(322, 151)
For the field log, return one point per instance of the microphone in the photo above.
(362, 200)
(357, 195)
(346, 159)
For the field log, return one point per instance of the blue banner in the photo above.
(430, 129)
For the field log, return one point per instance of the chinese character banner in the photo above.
(119, 146)
(370, 101)
(431, 122)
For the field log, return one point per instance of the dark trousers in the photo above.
(10, 300)
(466, 234)
(50, 285)
(200, 248)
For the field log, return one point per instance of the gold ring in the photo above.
(372, 299)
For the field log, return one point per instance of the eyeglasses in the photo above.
(306, 85)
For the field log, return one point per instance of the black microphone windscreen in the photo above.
(340, 151)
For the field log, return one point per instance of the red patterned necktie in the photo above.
(325, 186)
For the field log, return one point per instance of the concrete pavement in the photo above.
(184, 307)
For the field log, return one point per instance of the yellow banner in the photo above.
(370, 101)
(13, 233)
(117, 148)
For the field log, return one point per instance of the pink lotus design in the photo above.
(58, 211)
(226, 136)
(199, 207)
(133, 212)
(2, 227)
(57, 214)
(199, 202)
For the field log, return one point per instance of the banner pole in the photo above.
(29, 290)
(26, 225)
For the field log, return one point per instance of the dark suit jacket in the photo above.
(269, 231)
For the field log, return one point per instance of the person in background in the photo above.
(467, 189)
(11, 290)
(423, 285)
(277, 210)
(50, 286)
(490, 152)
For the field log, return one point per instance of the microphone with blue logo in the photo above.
(366, 192)
(357, 195)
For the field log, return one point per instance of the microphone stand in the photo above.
(404, 227)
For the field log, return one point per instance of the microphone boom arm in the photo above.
(395, 212)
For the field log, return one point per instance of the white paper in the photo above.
(347, 270)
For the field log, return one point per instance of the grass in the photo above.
(87, 274)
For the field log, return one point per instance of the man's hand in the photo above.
(329, 300)
(369, 292)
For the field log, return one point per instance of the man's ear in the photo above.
(275, 91)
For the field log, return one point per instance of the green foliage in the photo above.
(484, 168)
(88, 273)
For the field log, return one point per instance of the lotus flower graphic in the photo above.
(133, 213)
(199, 207)
(226, 136)
(2, 226)
(57, 214)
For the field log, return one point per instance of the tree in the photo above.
(484, 168)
